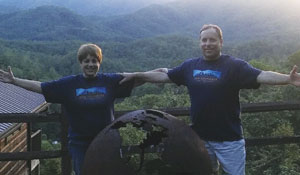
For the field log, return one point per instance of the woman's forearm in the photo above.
(31, 85)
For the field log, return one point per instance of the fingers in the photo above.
(4, 72)
(2, 75)
(122, 81)
(295, 69)
(124, 74)
(10, 72)
(164, 70)
(127, 77)
(124, 78)
(6, 77)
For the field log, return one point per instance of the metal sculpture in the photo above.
(169, 146)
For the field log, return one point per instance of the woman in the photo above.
(88, 98)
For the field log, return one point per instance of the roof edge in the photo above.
(10, 130)
(15, 126)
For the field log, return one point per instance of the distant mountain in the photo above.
(7, 9)
(240, 21)
(87, 7)
(49, 23)
(147, 22)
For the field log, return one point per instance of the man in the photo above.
(88, 99)
(214, 81)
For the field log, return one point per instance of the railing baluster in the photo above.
(66, 160)
(29, 146)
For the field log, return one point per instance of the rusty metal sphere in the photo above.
(174, 147)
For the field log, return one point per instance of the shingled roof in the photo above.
(14, 99)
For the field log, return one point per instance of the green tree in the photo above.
(50, 166)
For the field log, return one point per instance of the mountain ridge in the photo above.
(239, 22)
(87, 7)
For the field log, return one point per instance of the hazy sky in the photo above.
(127, 2)
(115, 7)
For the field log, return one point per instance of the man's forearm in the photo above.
(31, 85)
(152, 77)
(273, 78)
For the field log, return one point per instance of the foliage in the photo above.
(50, 166)
(48, 52)
(294, 59)
(131, 135)
(149, 163)
(170, 97)
(279, 159)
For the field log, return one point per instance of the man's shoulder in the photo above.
(233, 60)
(68, 79)
(66, 82)
(191, 60)
(109, 75)
(72, 77)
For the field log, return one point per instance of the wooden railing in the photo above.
(31, 155)
(63, 154)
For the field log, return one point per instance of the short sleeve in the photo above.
(177, 74)
(247, 76)
(122, 90)
(54, 91)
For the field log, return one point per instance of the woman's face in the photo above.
(90, 66)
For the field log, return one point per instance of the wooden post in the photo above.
(29, 147)
(66, 159)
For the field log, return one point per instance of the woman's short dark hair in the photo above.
(89, 49)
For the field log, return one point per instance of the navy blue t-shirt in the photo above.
(214, 88)
(88, 103)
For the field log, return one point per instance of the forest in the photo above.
(46, 61)
(45, 49)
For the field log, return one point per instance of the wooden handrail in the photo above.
(30, 155)
(184, 111)
(245, 108)
(28, 117)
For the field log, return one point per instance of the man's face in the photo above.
(211, 44)
(90, 66)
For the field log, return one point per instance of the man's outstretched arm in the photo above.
(274, 78)
(8, 77)
(155, 76)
